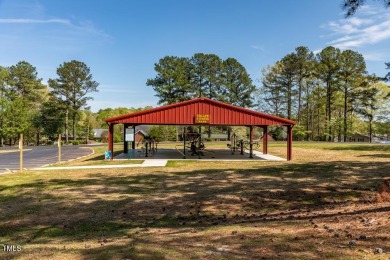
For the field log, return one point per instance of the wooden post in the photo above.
(265, 139)
(21, 152)
(59, 148)
(251, 142)
(289, 142)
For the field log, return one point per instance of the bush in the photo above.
(49, 143)
(117, 138)
(75, 142)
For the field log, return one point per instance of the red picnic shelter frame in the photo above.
(202, 111)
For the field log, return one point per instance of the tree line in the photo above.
(330, 94)
(30, 107)
(202, 75)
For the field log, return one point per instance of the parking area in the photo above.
(37, 156)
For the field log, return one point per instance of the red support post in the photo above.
(111, 139)
(265, 139)
(289, 142)
(251, 142)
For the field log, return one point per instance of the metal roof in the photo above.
(188, 113)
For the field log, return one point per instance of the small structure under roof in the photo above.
(203, 111)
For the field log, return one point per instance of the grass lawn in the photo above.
(317, 206)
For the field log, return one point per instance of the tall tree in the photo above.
(73, 84)
(4, 100)
(203, 75)
(287, 79)
(26, 93)
(24, 82)
(382, 122)
(279, 85)
(18, 118)
(368, 101)
(173, 80)
(303, 61)
(328, 70)
(272, 98)
(213, 76)
(352, 72)
(237, 84)
(51, 117)
(199, 74)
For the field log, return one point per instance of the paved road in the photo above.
(37, 156)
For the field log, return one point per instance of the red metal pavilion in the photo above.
(202, 111)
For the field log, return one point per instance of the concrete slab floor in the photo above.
(212, 154)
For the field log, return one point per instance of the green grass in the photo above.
(202, 210)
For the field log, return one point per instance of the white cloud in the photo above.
(369, 26)
(83, 27)
(256, 47)
(376, 56)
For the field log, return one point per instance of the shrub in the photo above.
(75, 142)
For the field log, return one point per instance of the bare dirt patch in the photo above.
(383, 192)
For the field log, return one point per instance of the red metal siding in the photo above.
(185, 112)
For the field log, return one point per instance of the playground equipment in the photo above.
(234, 144)
(150, 146)
(246, 145)
(241, 145)
(192, 142)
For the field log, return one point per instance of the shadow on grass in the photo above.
(103, 205)
(363, 147)
(384, 155)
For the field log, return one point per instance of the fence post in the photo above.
(21, 152)
(59, 148)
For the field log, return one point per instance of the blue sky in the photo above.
(120, 40)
